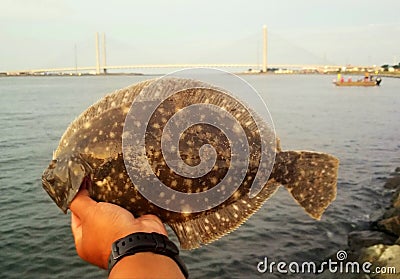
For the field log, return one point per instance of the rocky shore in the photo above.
(379, 245)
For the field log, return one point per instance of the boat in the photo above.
(376, 82)
(367, 81)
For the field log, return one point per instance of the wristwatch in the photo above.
(145, 242)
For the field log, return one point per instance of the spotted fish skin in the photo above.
(92, 147)
(88, 146)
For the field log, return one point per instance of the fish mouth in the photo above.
(48, 187)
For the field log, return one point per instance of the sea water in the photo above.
(358, 125)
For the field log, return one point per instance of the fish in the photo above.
(116, 166)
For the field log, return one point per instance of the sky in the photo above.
(49, 33)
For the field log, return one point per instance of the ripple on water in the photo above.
(308, 113)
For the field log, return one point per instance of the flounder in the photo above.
(91, 149)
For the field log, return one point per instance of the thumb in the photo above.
(76, 227)
(81, 204)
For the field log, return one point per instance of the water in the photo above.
(358, 125)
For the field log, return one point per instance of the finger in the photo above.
(76, 227)
(81, 203)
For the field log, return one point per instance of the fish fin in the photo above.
(278, 145)
(310, 177)
(67, 177)
(78, 169)
(215, 223)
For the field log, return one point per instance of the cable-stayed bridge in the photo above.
(101, 67)
(105, 69)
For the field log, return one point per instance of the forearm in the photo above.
(146, 265)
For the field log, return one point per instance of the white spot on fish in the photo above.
(125, 110)
(101, 183)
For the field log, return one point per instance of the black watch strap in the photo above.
(145, 242)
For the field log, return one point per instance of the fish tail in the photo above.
(310, 177)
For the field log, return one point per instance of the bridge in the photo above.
(245, 67)
(169, 66)
(103, 68)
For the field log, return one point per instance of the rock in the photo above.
(396, 199)
(393, 182)
(391, 212)
(391, 225)
(380, 245)
(384, 257)
(361, 239)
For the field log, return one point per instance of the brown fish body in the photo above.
(92, 147)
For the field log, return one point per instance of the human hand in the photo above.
(96, 225)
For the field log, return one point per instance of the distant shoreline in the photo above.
(346, 73)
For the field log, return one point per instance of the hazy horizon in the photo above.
(45, 33)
